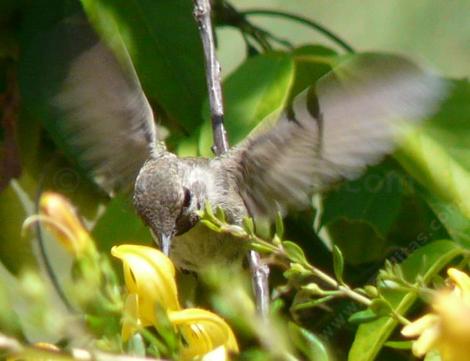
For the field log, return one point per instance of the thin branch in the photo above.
(302, 20)
(202, 14)
(260, 272)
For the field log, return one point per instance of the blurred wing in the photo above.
(105, 115)
(333, 130)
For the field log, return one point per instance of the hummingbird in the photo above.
(333, 130)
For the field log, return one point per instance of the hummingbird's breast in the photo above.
(201, 247)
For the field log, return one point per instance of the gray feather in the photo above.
(106, 117)
(349, 120)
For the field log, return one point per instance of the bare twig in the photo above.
(260, 272)
(202, 13)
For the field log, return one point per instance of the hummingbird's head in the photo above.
(162, 199)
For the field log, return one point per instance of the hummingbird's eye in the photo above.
(187, 198)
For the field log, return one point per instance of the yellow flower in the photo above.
(447, 329)
(131, 322)
(150, 275)
(62, 221)
(150, 280)
(203, 332)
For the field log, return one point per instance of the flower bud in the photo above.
(62, 221)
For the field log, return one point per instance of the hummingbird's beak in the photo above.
(166, 243)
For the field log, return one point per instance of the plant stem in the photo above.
(304, 21)
(202, 14)
(333, 283)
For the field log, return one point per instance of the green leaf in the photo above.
(162, 40)
(374, 198)
(209, 224)
(257, 89)
(438, 154)
(380, 307)
(220, 214)
(399, 345)
(249, 225)
(456, 224)
(363, 317)
(311, 63)
(279, 225)
(426, 261)
(294, 252)
(120, 224)
(308, 343)
(338, 264)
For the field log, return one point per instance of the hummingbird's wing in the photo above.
(332, 131)
(103, 112)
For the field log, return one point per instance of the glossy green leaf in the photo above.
(426, 261)
(162, 40)
(308, 343)
(294, 252)
(257, 89)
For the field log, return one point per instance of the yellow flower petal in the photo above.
(447, 330)
(62, 221)
(149, 274)
(418, 326)
(462, 281)
(426, 341)
(131, 322)
(203, 331)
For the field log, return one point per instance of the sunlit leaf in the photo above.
(426, 261)
(437, 155)
(257, 89)
(294, 252)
